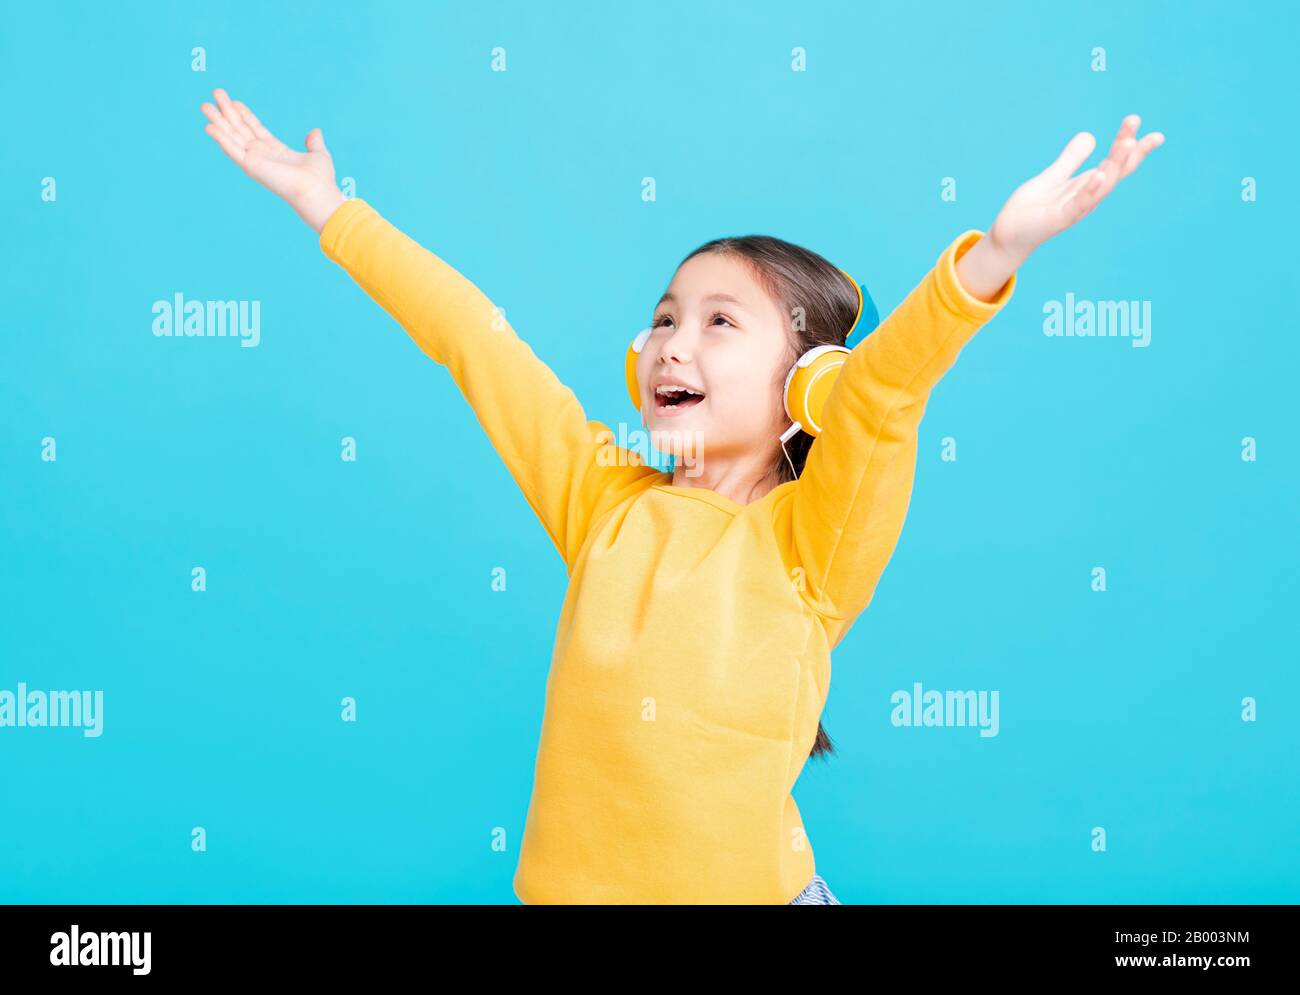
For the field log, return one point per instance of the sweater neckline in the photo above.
(720, 501)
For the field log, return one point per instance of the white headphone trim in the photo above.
(803, 361)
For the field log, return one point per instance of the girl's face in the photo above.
(718, 332)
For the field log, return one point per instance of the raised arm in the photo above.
(845, 513)
(568, 468)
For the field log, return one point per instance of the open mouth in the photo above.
(675, 400)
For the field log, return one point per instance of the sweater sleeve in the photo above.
(568, 467)
(846, 510)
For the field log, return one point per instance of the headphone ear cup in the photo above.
(629, 365)
(633, 388)
(809, 384)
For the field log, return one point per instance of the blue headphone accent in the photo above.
(868, 317)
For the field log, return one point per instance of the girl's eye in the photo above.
(716, 314)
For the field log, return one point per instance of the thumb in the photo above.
(1074, 155)
(316, 141)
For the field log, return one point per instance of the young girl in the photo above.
(692, 657)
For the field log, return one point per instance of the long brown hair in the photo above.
(820, 303)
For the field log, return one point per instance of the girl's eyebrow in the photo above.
(711, 297)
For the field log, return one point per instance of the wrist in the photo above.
(985, 267)
(1007, 252)
(316, 206)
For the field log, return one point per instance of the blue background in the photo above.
(328, 579)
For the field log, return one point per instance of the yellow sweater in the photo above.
(692, 654)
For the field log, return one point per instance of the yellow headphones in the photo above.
(809, 381)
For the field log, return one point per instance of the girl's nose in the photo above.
(679, 346)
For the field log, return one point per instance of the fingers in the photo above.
(232, 125)
(1139, 152)
(315, 140)
(1127, 128)
(1085, 191)
(232, 116)
(1123, 144)
(250, 119)
(229, 145)
(1089, 195)
(220, 128)
(1127, 153)
(1073, 156)
(1113, 165)
(1075, 183)
(214, 115)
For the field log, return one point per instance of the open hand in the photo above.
(1055, 199)
(304, 179)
